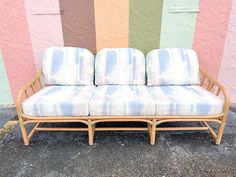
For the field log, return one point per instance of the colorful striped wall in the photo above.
(29, 26)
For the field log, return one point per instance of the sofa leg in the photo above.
(149, 129)
(220, 133)
(23, 131)
(153, 133)
(91, 132)
(221, 130)
(93, 127)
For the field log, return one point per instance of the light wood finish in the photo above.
(122, 129)
(180, 128)
(90, 132)
(23, 94)
(60, 129)
(33, 131)
(152, 122)
(220, 89)
(153, 132)
(212, 132)
(55, 121)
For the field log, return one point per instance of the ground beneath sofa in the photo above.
(117, 153)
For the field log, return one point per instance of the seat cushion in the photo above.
(68, 66)
(121, 100)
(173, 66)
(119, 66)
(185, 100)
(59, 101)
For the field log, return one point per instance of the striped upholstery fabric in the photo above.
(68, 66)
(185, 100)
(120, 66)
(174, 66)
(121, 100)
(59, 101)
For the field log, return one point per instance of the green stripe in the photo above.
(5, 91)
(145, 24)
(178, 23)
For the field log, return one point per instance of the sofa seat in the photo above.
(115, 100)
(59, 101)
(185, 100)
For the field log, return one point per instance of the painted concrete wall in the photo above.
(44, 21)
(145, 19)
(78, 23)
(227, 72)
(15, 45)
(5, 90)
(29, 26)
(111, 19)
(210, 33)
(178, 23)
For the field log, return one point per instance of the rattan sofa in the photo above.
(120, 85)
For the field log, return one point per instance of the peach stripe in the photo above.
(111, 21)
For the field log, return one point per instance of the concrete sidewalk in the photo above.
(117, 153)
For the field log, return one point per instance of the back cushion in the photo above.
(120, 66)
(68, 66)
(174, 66)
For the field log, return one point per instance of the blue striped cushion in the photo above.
(173, 66)
(121, 100)
(59, 101)
(120, 66)
(185, 100)
(68, 66)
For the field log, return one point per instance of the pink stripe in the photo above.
(44, 25)
(228, 65)
(15, 44)
(210, 33)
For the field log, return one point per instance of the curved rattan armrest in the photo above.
(215, 87)
(29, 89)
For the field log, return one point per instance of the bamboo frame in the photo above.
(152, 121)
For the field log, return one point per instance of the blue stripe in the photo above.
(130, 52)
(181, 52)
(111, 60)
(136, 106)
(164, 60)
(189, 66)
(66, 108)
(57, 60)
(50, 90)
(77, 61)
(203, 107)
(168, 91)
(81, 66)
(109, 92)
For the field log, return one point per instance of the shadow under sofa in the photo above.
(121, 85)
